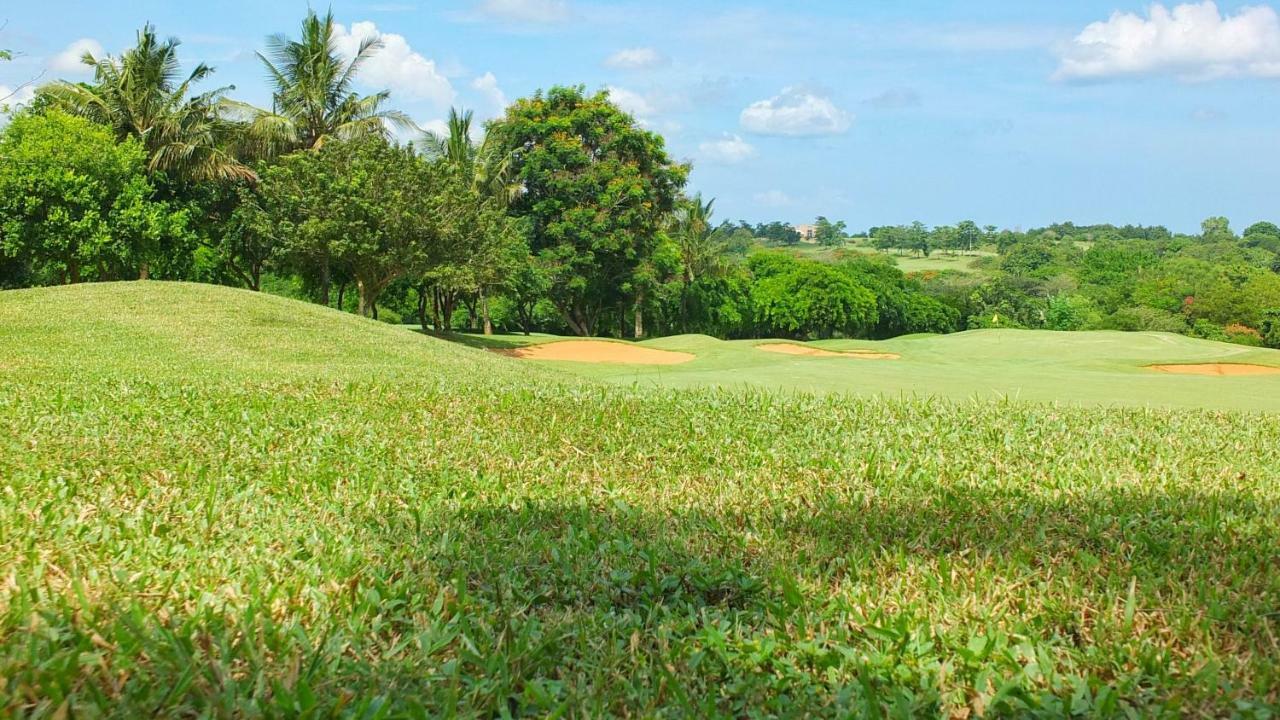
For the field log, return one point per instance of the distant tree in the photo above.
(829, 233)
(73, 200)
(969, 235)
(918, 239)
(1216, 229)
(595, 189)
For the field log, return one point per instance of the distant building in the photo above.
(808, 233)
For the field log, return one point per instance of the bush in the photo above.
(1243, 335)
(1146, 319)
(1208, 330)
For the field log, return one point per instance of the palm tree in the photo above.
(312, 99)
(701, 251)
(142, 94)
(483, 167)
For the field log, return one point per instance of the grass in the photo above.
(1082, 368)
(938, 261)
(218, 503)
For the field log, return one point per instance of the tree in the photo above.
(142, 95)
(312, 97)
(595, 189)
(701, 250)
(1217, 229)
(829, 233)
(798, 298)
(371, 208)
(493, 241)
(970, 235)
(72, 198)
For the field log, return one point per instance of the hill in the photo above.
(222, 503)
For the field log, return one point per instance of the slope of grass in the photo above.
(222, 504)
(1081, 368)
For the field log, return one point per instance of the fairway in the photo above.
(1076, 368)
(225, 504)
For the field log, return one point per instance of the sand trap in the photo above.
(792, 349)
(599, 351)
(1217, 369)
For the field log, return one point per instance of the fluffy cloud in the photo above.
(796, 113)
(396, 66)
(1190, 41)
(728, 150)
(68, 62)
(638, 105)
(525, 11)
(487, 86)
(641, 58)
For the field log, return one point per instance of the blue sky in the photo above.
(874, 112)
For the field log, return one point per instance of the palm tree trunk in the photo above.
(484, 309)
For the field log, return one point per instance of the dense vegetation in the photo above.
(222, 503)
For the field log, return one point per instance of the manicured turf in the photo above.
(217, 503)
(1085, 368)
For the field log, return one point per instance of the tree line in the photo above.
(563, 215)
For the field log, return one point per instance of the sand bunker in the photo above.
(1218, 369)
(599, 351)
(792, 349)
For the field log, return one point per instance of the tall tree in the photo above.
(142, 94)
(312, 99)
(595, 188)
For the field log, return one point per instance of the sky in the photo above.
(877, 112)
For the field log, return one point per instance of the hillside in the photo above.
(223, 503)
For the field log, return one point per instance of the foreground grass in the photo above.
(217, 503)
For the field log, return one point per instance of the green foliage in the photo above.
(364, 207)
(829, 233)
(76, 204)
(798, 298)
(596, 188)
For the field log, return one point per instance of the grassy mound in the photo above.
(221, 503)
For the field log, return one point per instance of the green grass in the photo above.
(1082, 368)
(217, 503)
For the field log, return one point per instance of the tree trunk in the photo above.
(144, 271)
(324, 284)
(342, 294)
(484, 309)
(422, 306)
(73, 272)
(639, 322)
(366, 298)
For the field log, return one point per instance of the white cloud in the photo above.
(68, 62)
(772, 198)
(796, 113)
(11, 98)
(525, 11)
(728, 150)
(396, 66)
(632, 102)
(1193, 41)
(487, 86)
(640, 58)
